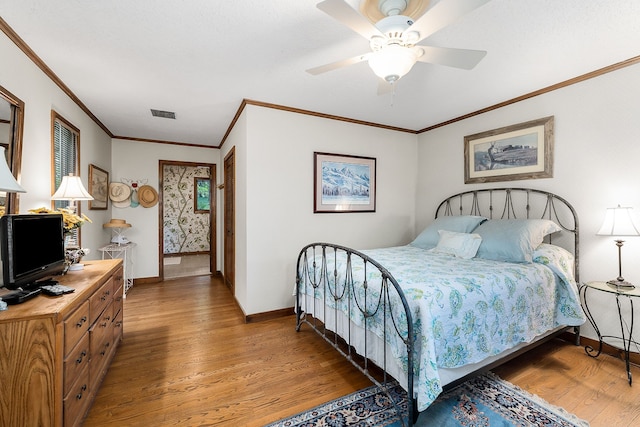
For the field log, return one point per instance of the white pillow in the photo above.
(429, 237)
(462, 245)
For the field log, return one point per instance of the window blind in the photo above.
(65, 155)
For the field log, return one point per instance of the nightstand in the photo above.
(622, 295)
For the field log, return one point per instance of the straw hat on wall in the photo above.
(119, 194)
(147, 196)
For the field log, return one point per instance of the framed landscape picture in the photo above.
(344, 183)
(522, 151)
(98, 188)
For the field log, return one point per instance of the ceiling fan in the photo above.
(393, 39)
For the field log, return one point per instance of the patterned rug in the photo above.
(483, 401)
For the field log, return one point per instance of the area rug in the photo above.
(486, 400)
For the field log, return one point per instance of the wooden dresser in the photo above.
(55, 351)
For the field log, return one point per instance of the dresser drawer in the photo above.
(75, 326)
(101, 328)
(100, 357)
(118, 297)
(75, 362)
(77, 400)
(118, 329)
(118, 278)
(100, 299)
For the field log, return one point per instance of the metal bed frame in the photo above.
(312, 270)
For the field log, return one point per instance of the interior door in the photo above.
(229, 220)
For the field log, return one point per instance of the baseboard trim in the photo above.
(610, 350)
(268, 315)
(145, 280)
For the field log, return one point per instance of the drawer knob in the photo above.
(79, 395)
(82, 355)
(106, 347)
(81, 321)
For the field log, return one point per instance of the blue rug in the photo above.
(483, 401)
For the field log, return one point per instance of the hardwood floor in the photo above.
(188, 359)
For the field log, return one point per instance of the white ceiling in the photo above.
(201, 58)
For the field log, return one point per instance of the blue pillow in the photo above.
(429, 237)
(513, 240)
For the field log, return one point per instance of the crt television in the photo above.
(32, 248)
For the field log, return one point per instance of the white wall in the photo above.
(140, 160)
(279, 197)
(596, 166)
(40, 95)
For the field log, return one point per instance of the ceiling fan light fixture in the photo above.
(393, 62)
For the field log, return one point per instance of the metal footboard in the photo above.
(336, 285)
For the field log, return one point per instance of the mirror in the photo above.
(11, 124)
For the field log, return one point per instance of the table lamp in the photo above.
(7, 181)
(619, 222)
(71, 189)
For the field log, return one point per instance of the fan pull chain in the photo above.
(393, 93)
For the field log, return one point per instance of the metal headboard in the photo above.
(505, 203)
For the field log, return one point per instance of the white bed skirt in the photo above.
(375, 351)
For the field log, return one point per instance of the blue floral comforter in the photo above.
(467, 310)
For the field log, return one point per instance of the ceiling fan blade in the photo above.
(442, 14)
(338, 64)
(458, 58)
(344, 13)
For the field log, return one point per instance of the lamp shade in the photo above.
(71, 188)
(7, 181)
(618, 221)
(392, 62)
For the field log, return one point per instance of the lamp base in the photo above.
(76, 267)
(620, 284)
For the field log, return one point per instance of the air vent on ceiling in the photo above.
(163, 114)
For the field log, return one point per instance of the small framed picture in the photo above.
(344, 183)
(98, 188)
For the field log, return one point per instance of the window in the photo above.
(65, 139)
(202, 199)
(65, 160)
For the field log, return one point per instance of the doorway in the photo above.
(187, 219)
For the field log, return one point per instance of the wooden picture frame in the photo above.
(521, 151)
(344, 183)
(98, 188)
(201, 195)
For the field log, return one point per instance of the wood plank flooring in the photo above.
(188, 359)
